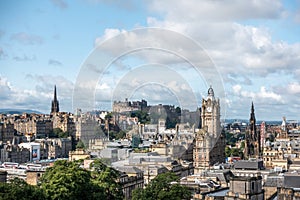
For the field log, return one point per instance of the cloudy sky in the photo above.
(104, 51)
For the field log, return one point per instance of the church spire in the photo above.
(55, 104)
(252, 143)
(55, 98)
(252, 115)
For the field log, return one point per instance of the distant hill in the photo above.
(17, 111)
(270, 122)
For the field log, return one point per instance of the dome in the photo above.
(210, 92)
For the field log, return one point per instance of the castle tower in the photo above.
(252, 144)
(55, 104)
(209, 147)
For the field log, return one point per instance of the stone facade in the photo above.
(13, 153)
(33, 177)
(245, 188)
(86, 128)
(209, 147)
(6, 132)
(64, 121)
(289, 190)
(128, 106)
(78, 154)
(37, 126)
(55, 147)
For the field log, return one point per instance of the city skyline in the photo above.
(254, 46)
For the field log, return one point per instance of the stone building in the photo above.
(38, 126)
(290, 187)
(128, 106)
(78, 154)
(55, 147)
(245, 188)
(209, 147)
(64, 121)
(283, 152)
(14, 153)
(6, 132)
(3, 176)
(130, 179)
(87, 128)
(33, 177)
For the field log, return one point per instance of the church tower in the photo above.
(55, 104)
(252, 144)
(209, 146)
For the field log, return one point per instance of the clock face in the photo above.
(208, 109)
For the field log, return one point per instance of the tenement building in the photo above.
(283, 151)
(209, 148)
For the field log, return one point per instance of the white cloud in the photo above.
(103, 86)
(294, 88)
(269, 95)
(241, 50)
(207, 10)
(236, 89)
(12, 97)
(108, 33)
(263, 95)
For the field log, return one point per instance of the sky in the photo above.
(169, 52)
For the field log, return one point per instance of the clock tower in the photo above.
(210, 114)
(209, 147)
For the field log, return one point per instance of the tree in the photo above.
(58, 133)
(19, 189)
(164, 186)
(80, 145)
(67, 180)
(106, 178)
(143, 116)
(117, 134)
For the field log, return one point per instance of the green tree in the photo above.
(58, 133)
(19, 189)
(106, 178)
(242, 145)
(80, 145)
(228, 151)
(143, 116)
(178, 110)
(164, 186)
(120, 135)
(67, 180)
(108, 116)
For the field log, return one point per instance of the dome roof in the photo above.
(210, 92)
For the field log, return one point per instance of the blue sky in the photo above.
(253, 44)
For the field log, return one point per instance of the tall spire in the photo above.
(55, 99)
(252, 144)
(55, 104)
(252, 115)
